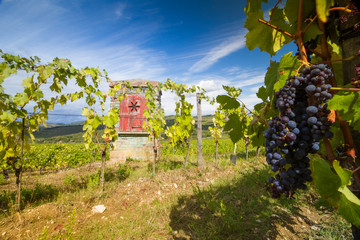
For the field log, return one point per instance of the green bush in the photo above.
(123, 172)
(2, 180)
(70, 180)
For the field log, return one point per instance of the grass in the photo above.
(216, 202)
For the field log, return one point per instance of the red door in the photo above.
(131, 115)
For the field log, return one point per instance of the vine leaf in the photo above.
(271, 77)
(332, 186)
(344, 174)
(264, 37)
(292, 8)
(227, 102)
(312, 32)
(234, 127)
(278, 73)
(322, 8)
(253, 6)
(262, 93)
(348, 106)
(287, 68)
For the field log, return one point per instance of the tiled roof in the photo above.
(136, 82)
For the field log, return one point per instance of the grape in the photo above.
(312, 110)
(296, 131)
(299, 128)
(315, 147)
(292, 124)
(274, 168)
(312, 120)
(276, 156)
(282, 162)
(290, 137)
(310, 89)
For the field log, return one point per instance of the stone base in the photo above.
(136, 146)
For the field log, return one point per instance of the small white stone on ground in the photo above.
(98, 209)
(315, 228)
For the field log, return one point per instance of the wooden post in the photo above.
(188, 150)
(102, 171)
(258, 151)
(155, 157)
(216, 151)
(199, 131)
(18, 171)
(94, 152)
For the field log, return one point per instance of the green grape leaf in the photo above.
(262, 93)
(6, 71)
(232, 91)
(312, 32)
(348, 207)
(259, 35)
(322, 8)
(271, 77)
(253, 6)
(21, 99)
(292, 8)
(344, 174)
(287, 67)
(5, 116)
(235, 128)
(264, 37)
(27, 82)
(348, 106)
(227, 102)
(333, 187)
(325, 180)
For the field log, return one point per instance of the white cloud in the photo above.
(228, 46)
(253, 80)
(45, 30)
(119, 10)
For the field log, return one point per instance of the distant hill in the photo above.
(73, 132)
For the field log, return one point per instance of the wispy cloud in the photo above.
(119, 10)
(225, 48)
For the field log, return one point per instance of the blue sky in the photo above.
(198, 42)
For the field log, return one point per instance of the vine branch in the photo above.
(260, 118)
(276, 28)
(272, 11)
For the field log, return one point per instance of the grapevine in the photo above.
(301, 108)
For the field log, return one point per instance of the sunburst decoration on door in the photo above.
(133, 106)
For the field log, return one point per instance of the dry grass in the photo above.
(227, 202)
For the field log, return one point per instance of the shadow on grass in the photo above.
(237, 209)
(36, 196)
(43, 193)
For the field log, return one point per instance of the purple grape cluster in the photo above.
(302, 124)
(356, 80)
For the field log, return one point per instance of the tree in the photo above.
(217, 130)
(154, 115)
(182, 130)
